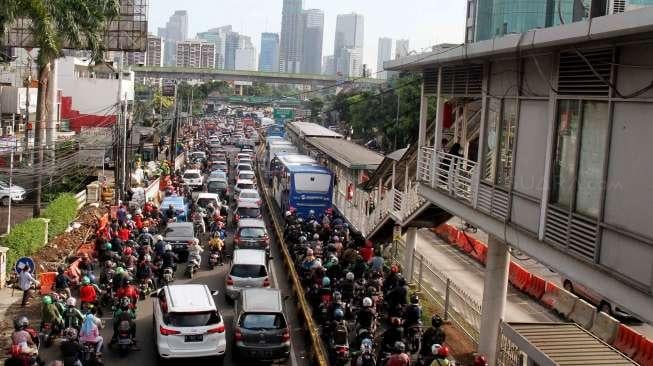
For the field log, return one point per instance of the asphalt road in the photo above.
(215, 280)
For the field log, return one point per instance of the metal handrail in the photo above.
(447, 172)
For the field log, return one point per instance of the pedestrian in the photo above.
(25, 281)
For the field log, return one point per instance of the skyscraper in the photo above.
(232, 43)
(311, 61)
(217, 36)
(349, 35)
(269, 59)
(402, 47)
(195, 54)
(155, 50)
(245, 59)
(176, 30)
(384, 54)
(290, 46)
(328, 65)
(352, 62)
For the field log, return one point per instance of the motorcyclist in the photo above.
(119, 278)
(72, 317)
(90, 333)
(169, 258)
(399, 356)
(440, 354)
(128, 259)
(348, 286)
(107, 272)
(86, 265)
(412, 312)
(392, 335)
(433, 335)
(128, 291)
(50, 314)
(159, 245)
(217, 245)
(89, 293)
(124, 313)
(170, 213)
(71, 350)
(365, 318)
(367, 251)
(62, 282)
(144, 270)
(24, 337)
(195, 251)
(145, 237)
(392, 280)
(396, 297)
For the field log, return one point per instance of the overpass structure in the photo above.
(258, 100)
(207, 74)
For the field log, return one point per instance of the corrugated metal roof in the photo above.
(347, 153)
(563, 344)
(308, 129)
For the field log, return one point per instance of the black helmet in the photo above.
(21, 322)
(60, 270)
(414, 299)
(436, 321)
(400, 347)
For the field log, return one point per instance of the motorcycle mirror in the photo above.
(215, 292)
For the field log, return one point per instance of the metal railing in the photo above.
(449, 173)
(397, 199)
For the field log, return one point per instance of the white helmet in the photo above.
(288, 213)
(158, 238)
(71, 301)
(146, 230)
(138, 211)
(316, 236)
(167, 247)
(367, 302)
(129, 217)
(147, 258)
(349, 276)
(196, 241)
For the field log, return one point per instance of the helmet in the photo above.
(338, 314)
(71, 301)
(414, 299)
(21, 322)
(125, 301)
(158, 237)
(333, 260)
(196, 241)
(86, 280)
(309, 252)
(167, 247)
(311, 212)
(138, 212)
(147, 258)
(288, 213)
(300, 220)
(400, 347)
(302, 239)
(440, 350)
(394, 268)
(127, 251)
(395, 321)
(480, 360)
(316, 236)
(337, 296)
(145, 230)
(109, 264)
(336, 238)
(349, 276)
(436, 321)
(60, 270)
(326, 281)
(366, 345)
(70, 334)
(367, 302)
(108, 246)
(47, 300)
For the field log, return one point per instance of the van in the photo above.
(261, 330)
(249, 268)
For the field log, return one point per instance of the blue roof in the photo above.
(307, 169)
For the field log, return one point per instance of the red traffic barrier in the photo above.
(550, 296)
(628, 341)
(536, 287)
(644, 355)
(480, 251)
(47, 280)
(87, 248)
(518, 276)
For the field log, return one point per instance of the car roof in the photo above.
(251, 223)
(249, 256)
(244, 181)
(179, 224)
(172, 200)
(248, 204)
(189, 298)
(265, 300)
(249, 191)
(193, 171)
(208, 195)
(246, 171)
(215, 178)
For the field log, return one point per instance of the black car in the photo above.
(178, 235)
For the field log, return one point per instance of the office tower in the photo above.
(217, 36)
(328, 65)
(269, 58)
(384, 54)
(245, 59)
(176, 30)
(155, 51)
(232, 43)
(311, 62)
(352, 62)
(402, 47)
(290, 45)
(195, 54)
(349, 36)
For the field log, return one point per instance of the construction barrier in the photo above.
(86, 248)
(480, 251)
(536, 287)
(565, 303)
(628, 341)
(583, 314)
(644, 355)
(518, 276)
(47, 280)
(605, 327)
(551, 295)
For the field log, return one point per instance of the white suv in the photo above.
(193, 178)
(187, 323)
(16, 193)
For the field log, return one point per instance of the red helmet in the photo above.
(396, 321)
(443, 351)
(480, 360)
(394, 268)
(127, 251)
(368, 243)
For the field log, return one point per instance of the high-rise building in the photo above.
(135, 58)
(176, 30)
(313, 35)
(269, 59)
(352, 62)
(402, 47)
(349, 36)
(155, 50)
(328, 65)
(195, 54)
(245, 59)
(217, 36)
(384, 54)
(232, 43)
(290, 45)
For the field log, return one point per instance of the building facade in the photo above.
(328, 65)
(155, 51)
(217, 36)
(349, 36)
(269, 58)
(351, 62)
(290, 47)
(402, 47)
(313, 35)
(176, 30)
(195, 54)
(384, 54)
(232, 43)
(245, 59)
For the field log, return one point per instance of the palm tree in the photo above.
(58, 24)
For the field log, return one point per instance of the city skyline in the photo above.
(431, 25)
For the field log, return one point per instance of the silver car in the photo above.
(248, 269)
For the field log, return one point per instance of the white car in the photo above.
(187, 323)
(246, 174)
(16, 193)
(249, 195)
(243, 184)
(193, 178)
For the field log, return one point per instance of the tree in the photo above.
(316, 104)
(79, 24)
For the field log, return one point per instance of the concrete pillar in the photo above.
(439, 113)
(53, 112)
(409, 254)
(394, 172)
(423, 115)
(495, 288)
(378, 192)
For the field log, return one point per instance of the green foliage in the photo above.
(61, 212)
(316, 104)
(24, 240)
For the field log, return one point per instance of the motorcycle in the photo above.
(25, 359)
(340, 344)
(414, 338)
(199, 218)
(124, 341)
(145, 286)
(365, 357)
(47, 334)
(191, 267)
(214, 259)
(107, 298)
(89, 355)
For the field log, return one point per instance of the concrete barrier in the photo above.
(605, 327)
(551, 295)
(583, 314)
(565, 302)
(518, 276)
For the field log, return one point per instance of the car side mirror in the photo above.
(215, 292)
(154, 294)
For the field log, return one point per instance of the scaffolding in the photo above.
(126, 33)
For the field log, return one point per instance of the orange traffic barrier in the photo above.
(87, 248)
(518, 276)
(551, 295)
(644, 355)
(479, 251)
(628, 341)
(464, 243)
(47, 280)
(536, 287)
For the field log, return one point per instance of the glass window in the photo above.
(592, 157)
(566, 151)
(489, 150)
(506, 141)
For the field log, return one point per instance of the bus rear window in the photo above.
(310, 182)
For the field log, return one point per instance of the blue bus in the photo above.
(276, 130)
(304, 186)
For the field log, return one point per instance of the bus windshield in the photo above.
(312, 182)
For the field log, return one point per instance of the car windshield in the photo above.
(203, 202)
(191, 175)
(248, 270)
(245, 186)
(253, 195)
(192, 319)
(246, 175)
(262, 321)
(244, 167)
(216, 185)
(180, 231)
(252, 232)
(248, 212)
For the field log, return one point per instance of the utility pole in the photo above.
(28, 83)
(122, 133)
(175, 127)
(397, 121)
(11, 174)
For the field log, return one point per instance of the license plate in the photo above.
(125, 341)
(194, 338)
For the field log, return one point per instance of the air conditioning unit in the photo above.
(620, 6)
(8, 131)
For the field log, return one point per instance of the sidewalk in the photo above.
(9, 309)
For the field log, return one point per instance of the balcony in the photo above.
(444, 172)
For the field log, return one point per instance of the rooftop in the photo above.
(308, 129)
(347, 153)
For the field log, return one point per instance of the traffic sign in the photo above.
(24, 262)
(283, 113)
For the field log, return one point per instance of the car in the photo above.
(252, 234)
(249, 195)
(240, 167)
(249, 268)
(15, 193)
(246, 174)
(218, 186)
(246, 161)
(193, 178)
(197, 156)
(247, 210)
(243, 184)
(203, 200)
(178, 235)
(215, 142)
(261, 330)
(596, 299)
(218, 173)
(179, 204)
(187, 323)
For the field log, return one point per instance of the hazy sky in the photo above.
(424, 22)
